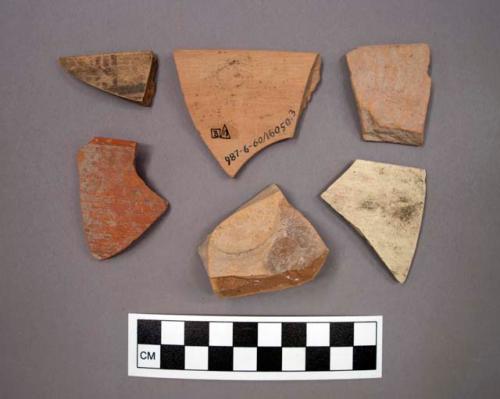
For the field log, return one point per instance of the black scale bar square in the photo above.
(341, 334)
(220, 358)
(149, 332)
(268, 359)
(172, 357)
(293, 334)
(196, 333)
(244, 334)
(317, 358)
(364, 358)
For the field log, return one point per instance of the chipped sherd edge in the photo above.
(242, 101)
(385, 205)
(117, 206)
(129, 75)
(265, 245)
(392, 88)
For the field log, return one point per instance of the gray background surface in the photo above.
(63, 315)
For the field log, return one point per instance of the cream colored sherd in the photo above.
(392, 88)
(385, 204)
(265, 245)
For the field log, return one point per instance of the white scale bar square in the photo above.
(293, 359)
(269, 334)
(220, 334)
(318, 334)
(196, 357)
(245, 359)
(172, 333)
(341, 358)
(365, 334)
(148, 356)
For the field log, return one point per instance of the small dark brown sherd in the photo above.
(266, 245)
(117, 206)
(130, 75)
(392, 89)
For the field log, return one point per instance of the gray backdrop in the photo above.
(63, 320)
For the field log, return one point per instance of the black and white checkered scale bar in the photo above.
(220, 347)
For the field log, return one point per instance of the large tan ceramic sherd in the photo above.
(243, 101)
(385, 204)
(266, 245)
(392, 88)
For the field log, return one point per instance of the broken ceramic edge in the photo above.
(312, 83)
(117, 206)
(380, 108)
(129, 75)
(265, 245)
(218, 84)
(389, 218)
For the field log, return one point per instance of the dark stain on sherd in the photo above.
(369, 205)
(406, 213)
